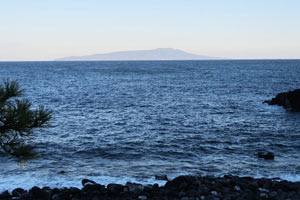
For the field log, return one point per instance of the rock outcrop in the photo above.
(289, 100)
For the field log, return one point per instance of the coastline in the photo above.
(180, 188)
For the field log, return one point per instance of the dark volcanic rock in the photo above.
(181, 188)
(289, 100)
(161, 177)
(266, 155)
(135, 188)
(37, 193)
(19, 192)
(180, 182)
(5, 195)
(92, 189)
(115, 188)
(87, 181)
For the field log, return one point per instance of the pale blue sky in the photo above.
(48, 29)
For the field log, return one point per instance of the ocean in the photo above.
(131, 120)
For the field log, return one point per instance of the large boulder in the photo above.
(266, 155)
(289, 100)
(37, 193)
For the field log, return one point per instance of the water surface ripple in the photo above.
(120, 121)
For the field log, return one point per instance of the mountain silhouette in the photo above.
(154, 54)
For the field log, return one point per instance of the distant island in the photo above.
(154, 54)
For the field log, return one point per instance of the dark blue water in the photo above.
(121, 121)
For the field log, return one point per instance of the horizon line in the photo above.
(225, 59)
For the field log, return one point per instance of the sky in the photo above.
(238, 29)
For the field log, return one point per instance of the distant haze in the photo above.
(154, 54)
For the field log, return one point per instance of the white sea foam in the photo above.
(283, 176)
(289, 177)
(27, 181)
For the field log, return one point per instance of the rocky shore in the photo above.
(180, 188)
(289, 100)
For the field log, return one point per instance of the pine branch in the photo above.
(10, 90)
(18, 120)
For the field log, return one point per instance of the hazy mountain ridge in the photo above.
(154, 54)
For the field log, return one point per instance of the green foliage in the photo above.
(17, 121)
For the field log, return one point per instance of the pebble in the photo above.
(273, 194)
(263, 190)
(264, 195)
(237, 188)
(142, 197)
